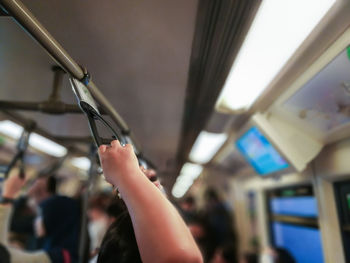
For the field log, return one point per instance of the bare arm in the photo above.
(10, 190)
(161, 234)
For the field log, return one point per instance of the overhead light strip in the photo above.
(82, 163)
(206, 146)
(188, 174)
(277, 31)
(14, 131)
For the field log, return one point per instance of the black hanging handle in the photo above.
(22, 146)
(89, 107)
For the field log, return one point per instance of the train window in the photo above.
(304, 206)
(342, 195)
(293, 220)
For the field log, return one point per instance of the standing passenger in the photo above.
(57, 223)
(158, 231)
(155, 225)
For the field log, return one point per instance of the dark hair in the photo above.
(229, 252)
(251, 257)
(211, 195)
(51, 184)
(189, 200)
(119, 243)
(116, 208)
(100, 201)
(4, 255)
(283, 256)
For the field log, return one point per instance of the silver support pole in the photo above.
(28, 21)
(92, 174)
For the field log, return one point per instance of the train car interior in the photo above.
(237, 110)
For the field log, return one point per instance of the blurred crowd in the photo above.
(212, 226)
(43, 220)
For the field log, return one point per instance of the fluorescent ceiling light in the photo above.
(36, 141)
(277, 31)
(184, 181)
(47, 146)
(11, 129)
(206, 145)
(81, 162)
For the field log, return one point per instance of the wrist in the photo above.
(6, 200)
(8, 195)
(131, 178)
(125, 177)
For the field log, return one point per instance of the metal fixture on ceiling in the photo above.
(53, 105)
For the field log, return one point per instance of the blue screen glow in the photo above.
(260, 153)
(305, 206)
(304, 243)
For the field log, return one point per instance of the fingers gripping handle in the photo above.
(89, 107)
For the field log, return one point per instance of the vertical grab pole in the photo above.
(92, 173)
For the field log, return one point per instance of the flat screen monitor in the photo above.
(260, 153)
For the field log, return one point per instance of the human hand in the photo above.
(117, 162)
(12, 186)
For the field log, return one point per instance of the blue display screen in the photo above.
(260, 153)
(303, 206)
(303, 243)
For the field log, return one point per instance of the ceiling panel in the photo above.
(137, 52)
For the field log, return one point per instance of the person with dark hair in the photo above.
(21, 227)
(188, 207)
(11, 189)
(283, 256)
(151, 226)
(99, 220)
(102, 211)
(148, 230)
(51, 184)
(226, 253)
(249, 257)
(57, 223)
(119, 244)
(219, 219)
(4, 255)
(203, 234)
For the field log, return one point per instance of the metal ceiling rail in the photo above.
(18, 11)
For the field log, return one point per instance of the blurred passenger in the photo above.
(4, 255)
(102, 212)
(276, 255)
(203, 234)
(22, 223)
(283, 256)
(58, 220)
(151, 230)
(98, 220)
(219, 218)
(11, 188)
(249, 258)
(225, 254)
(188, 207)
